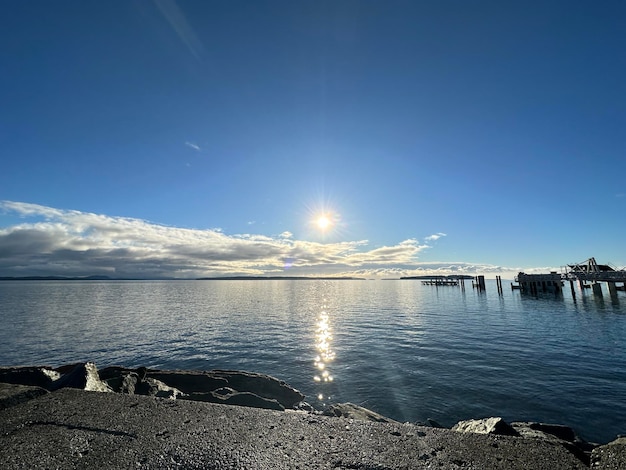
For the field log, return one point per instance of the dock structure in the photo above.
(440, 282)
(590, 271)
(588, 274)
(535, 283)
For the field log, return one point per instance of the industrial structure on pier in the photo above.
(588, 274)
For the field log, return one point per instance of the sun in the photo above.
(323, 222)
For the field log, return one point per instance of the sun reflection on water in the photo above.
(325, 354)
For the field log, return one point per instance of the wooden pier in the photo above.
(440, 282)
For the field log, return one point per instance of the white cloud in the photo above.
(27, 209)
(79, 243)
(50, 241)
(435, 236)
(434, 268)
(193, 146)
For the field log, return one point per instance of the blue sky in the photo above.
(188, 138)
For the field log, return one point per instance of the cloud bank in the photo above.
(74, 243)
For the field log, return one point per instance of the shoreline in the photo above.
(25, 389)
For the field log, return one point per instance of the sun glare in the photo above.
(323, 222)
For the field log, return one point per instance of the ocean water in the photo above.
(407, 351)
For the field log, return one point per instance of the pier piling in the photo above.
(597, 288)
(480, 283)
(499, 284)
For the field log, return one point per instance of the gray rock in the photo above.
(156, 388)
(494, 425)
(228, 396)
(13, 394)
(188, 381)
(83, 376)
(251, 400)
(556, 434)
(113, 372)
(130, 382)
(263, 385)
(246, 388)
(352, 411)
(433, 424)
(126, 382)
(545, 431)
(34, 376)
(304, 406)
(610, 456)
(430, 423)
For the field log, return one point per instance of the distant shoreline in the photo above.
(280, 278)
(72, 278)
(225, 278)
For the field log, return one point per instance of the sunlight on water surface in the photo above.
(405, 350)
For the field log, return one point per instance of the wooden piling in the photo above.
(499, 284)
(597, 288)
(480, 282)
(612, 288)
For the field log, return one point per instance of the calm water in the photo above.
(408, 351)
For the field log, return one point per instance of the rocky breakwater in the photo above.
(215, 386)
(481, 443)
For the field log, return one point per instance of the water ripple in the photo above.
(405, 350)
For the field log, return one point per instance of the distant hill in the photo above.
(60, 278)
(277, 278)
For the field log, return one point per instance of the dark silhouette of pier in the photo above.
(588, 274)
